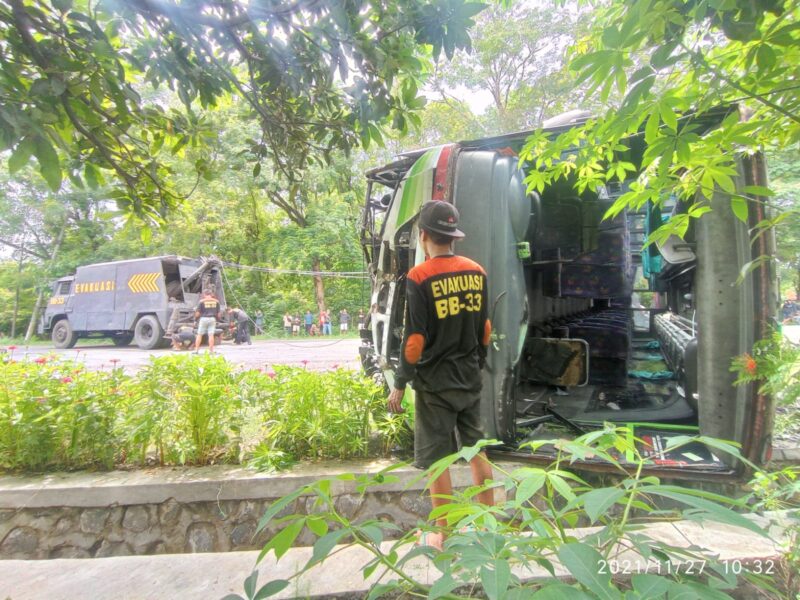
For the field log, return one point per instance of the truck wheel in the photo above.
(122, 339)
(148, 333)
(63, 336)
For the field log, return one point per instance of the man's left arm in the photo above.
(486, 325)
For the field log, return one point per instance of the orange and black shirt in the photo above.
(447, 328)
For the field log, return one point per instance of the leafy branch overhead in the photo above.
(80, 82)
(663, 67)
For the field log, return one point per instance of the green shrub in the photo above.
(775, 366)
(305, 414)
(617, 559)
(185, 409)
(56, 415)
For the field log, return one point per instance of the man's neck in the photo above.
(443, 250)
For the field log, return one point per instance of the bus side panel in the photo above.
(490, 197)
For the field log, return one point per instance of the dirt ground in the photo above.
(318, 354)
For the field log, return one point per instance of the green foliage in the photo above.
(673, 64)
(487, 546)
(57, 415)
(234, 216)
(518, 60)
(775, 366)
(312, 415)
(82, 84)
(186, 410)
(784, 171)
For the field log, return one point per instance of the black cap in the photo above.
(440, 217)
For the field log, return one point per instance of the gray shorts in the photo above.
(438, 416)
(206, 325)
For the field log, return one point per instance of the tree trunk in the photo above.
(797, 284)
(16, 295)
(319, 288)
(40, 298)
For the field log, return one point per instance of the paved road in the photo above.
(320, 354)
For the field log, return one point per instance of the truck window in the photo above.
(63, 288)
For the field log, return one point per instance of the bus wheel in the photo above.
(63, 336)
(148, 333)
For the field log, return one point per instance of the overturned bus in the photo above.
(589, 324)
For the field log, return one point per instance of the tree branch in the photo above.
(24, 249)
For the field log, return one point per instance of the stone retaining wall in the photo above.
(178, 511)
(175, 527)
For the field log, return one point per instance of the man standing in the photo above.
(325, 322)
(259, 322)
(296, 325)
(207, 311)
(309, 319)
(287, 324)
(344, 320)
(362, 319)
(444, 347)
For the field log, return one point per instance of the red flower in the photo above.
(750, 365)
(41, 360)
(12, 347)
(66, 380)
(114, 361)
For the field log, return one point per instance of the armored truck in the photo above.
(589, 324)
(128, 301)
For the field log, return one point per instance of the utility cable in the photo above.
(342, 274)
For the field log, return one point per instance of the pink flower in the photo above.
(66, 380)
(41, 360)
(12, 347)
(114, 361)
(271, 374)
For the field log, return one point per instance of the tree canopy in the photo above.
(668, 59)
(318, 76)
